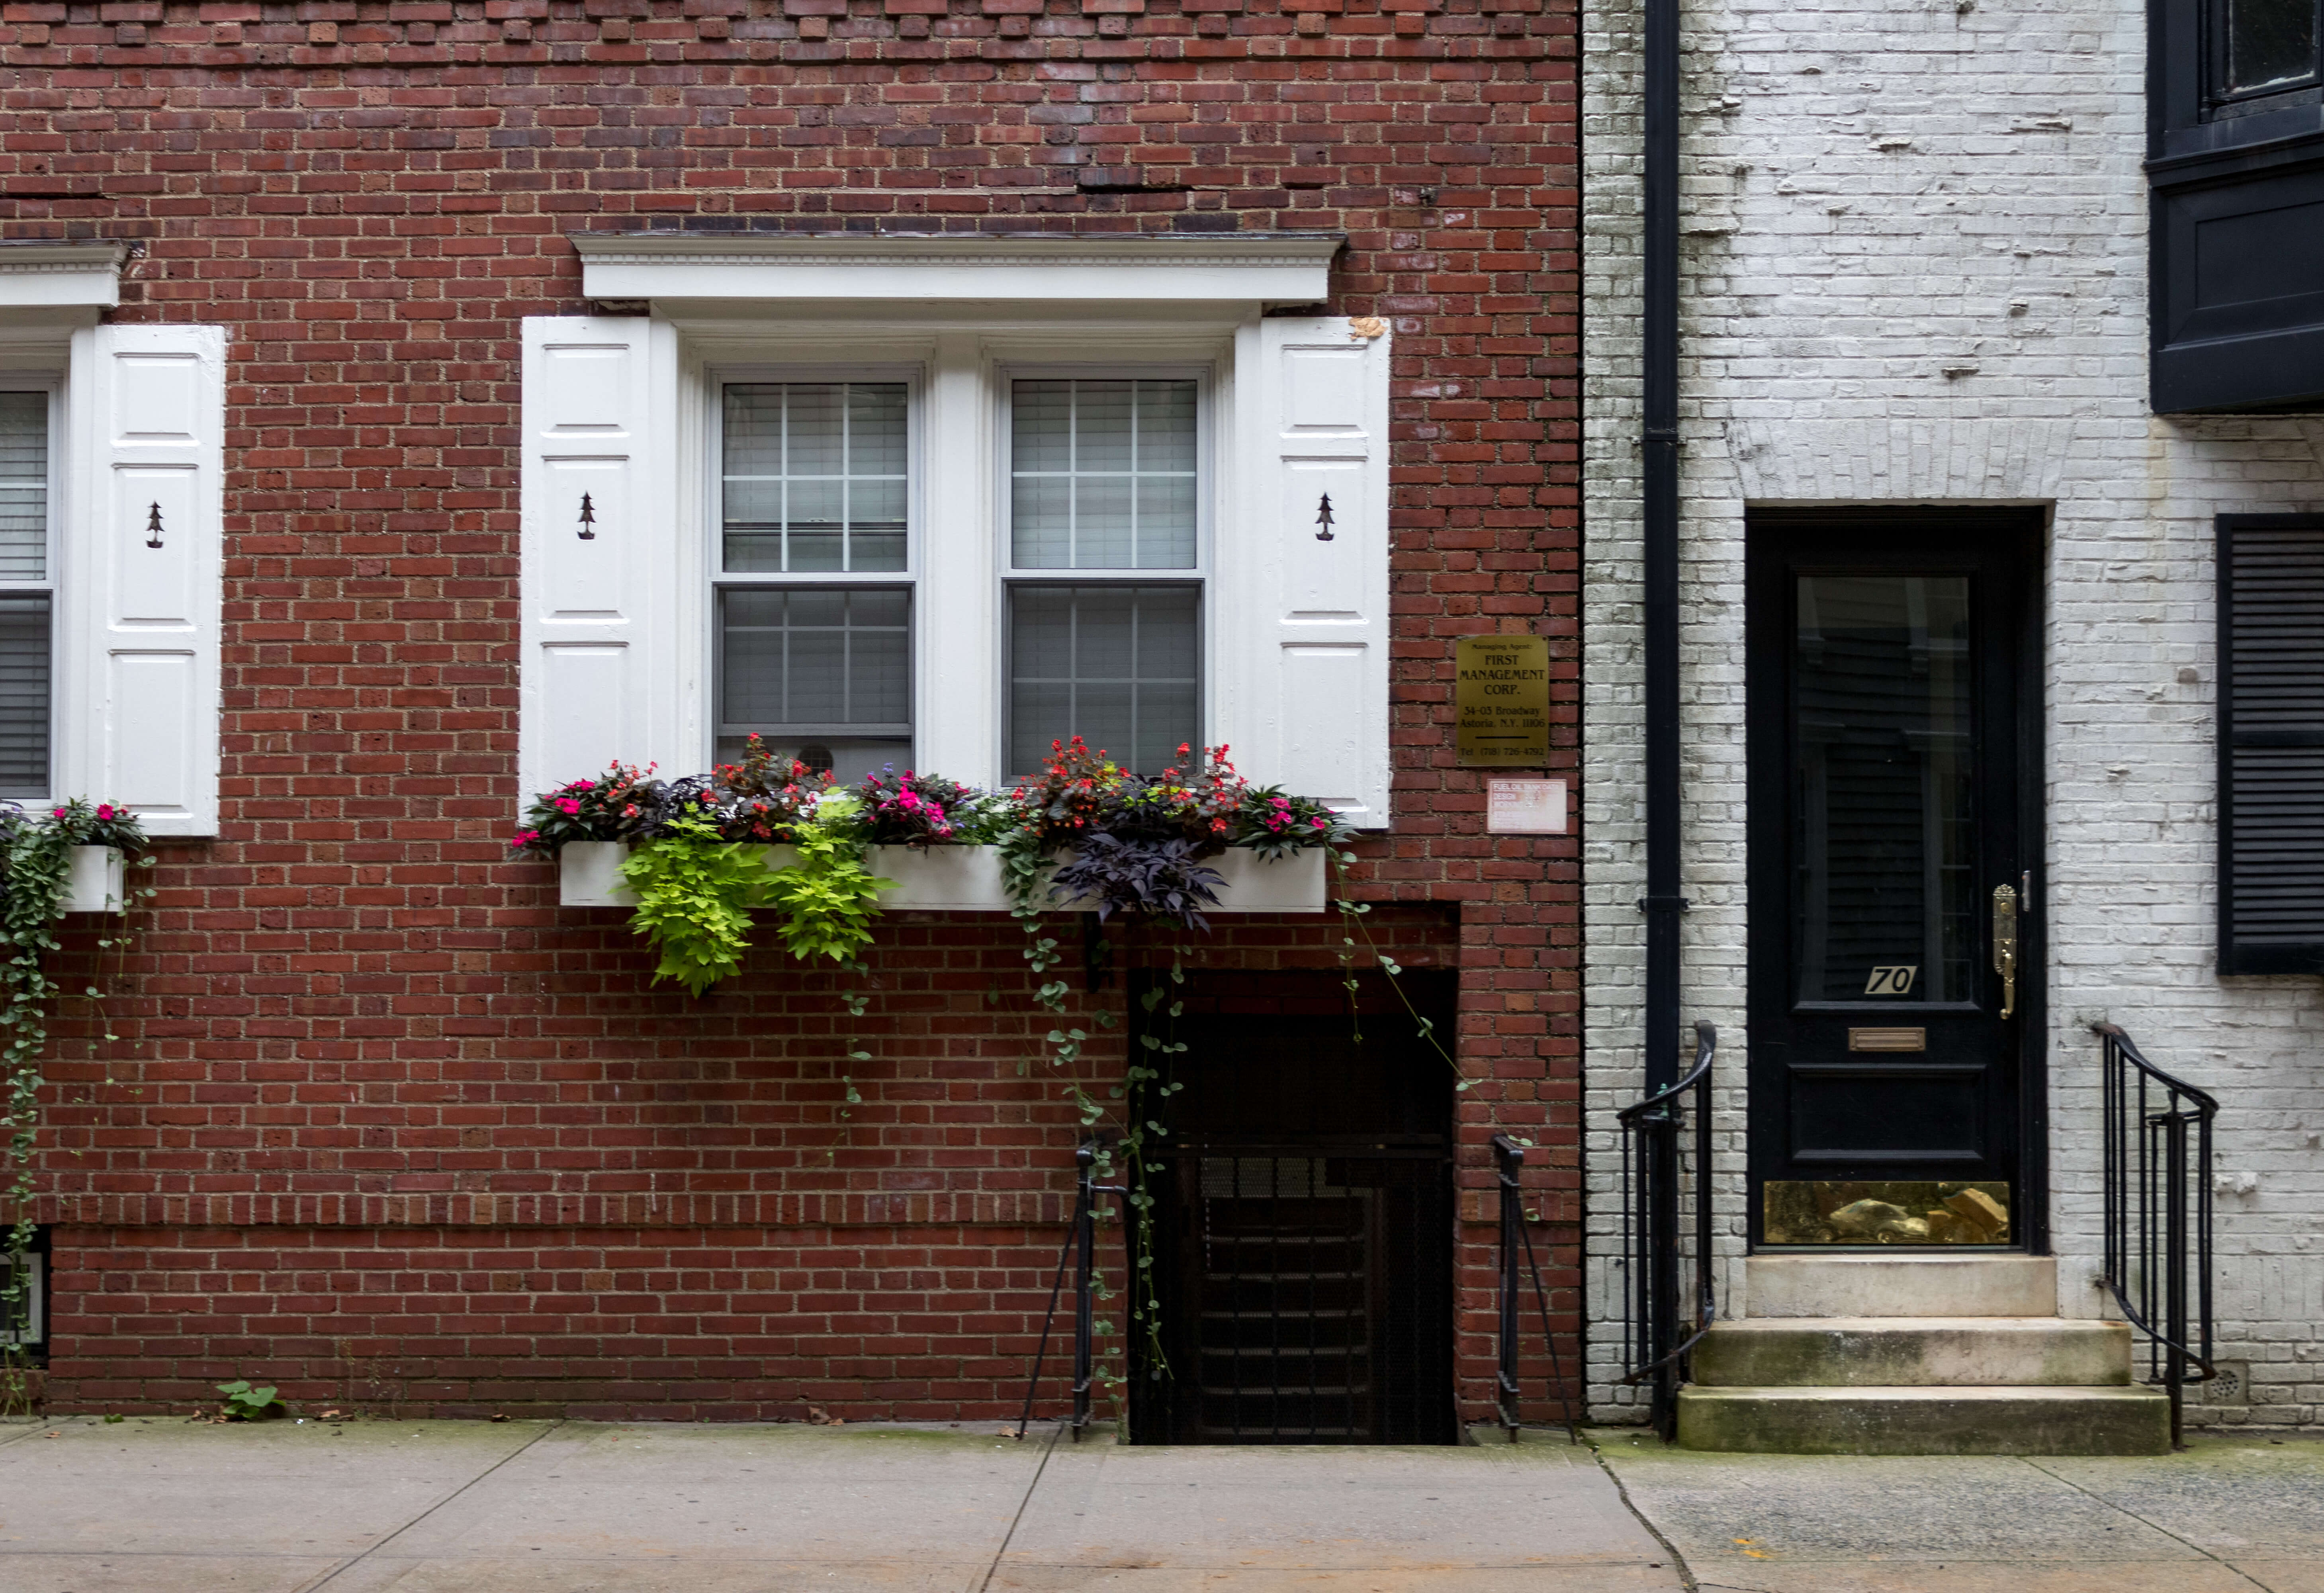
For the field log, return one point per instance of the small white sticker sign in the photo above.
(1524, 807)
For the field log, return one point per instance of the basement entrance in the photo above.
(1304, 1216)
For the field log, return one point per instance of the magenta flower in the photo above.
(568, 806)
(105, 811)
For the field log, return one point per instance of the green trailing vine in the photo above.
(1084, 829)
(36, 855)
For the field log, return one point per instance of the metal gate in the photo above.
(1303, 1226)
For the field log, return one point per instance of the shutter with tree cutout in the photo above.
(1300, 602)
(602, 674)
(140, 573)
(2271, 743)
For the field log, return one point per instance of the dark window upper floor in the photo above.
(2235, 162)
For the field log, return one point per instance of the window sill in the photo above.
(964, 879)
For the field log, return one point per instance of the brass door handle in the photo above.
(2004, 944)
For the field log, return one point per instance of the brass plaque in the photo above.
(1501, 695)
(1884, 1211)
(1888, 1039)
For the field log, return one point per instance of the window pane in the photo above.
(24, 694)
(823, 674)
(1113, 665)
(1102, 474)
(1885, 812)
(815, 475)
(2270, 42)
(24, 486)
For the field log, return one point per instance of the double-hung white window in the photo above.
(812, 578)
(1104, 569)
(942, 502)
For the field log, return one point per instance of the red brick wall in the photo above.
(375, 1096)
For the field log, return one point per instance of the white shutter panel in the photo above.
(1306, 620)
(602, 675)
(140, 650)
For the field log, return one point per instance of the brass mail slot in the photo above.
(1888, 1039)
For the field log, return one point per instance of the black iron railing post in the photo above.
(1084, 1276)
(1661, 1330)
(1508, 1162)
(2157, 1189)
(1080, 1249)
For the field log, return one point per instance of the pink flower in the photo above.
(524, 838)
(105, 811)
(56, 813)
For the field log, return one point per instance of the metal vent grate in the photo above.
(1304, 1216)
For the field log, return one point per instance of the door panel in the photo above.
(1890, 728)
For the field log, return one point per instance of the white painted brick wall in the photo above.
(1915, 270)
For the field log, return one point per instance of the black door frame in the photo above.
(2025, 531)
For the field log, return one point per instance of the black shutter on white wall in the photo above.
(2271, 743)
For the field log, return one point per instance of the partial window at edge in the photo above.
(26, 603)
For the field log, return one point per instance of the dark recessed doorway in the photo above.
(1304, 1218)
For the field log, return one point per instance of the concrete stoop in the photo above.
(1915, 1355)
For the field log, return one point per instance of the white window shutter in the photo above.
(604, 674)
(139, 650)
(1301, 675)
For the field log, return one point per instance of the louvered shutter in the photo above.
(139, 652)
(2271, 744)
(603, 673)
(1300, 625)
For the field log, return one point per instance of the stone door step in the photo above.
(1877, 1351)
(1925, 1421)
(1924, 1283)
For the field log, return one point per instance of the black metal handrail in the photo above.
(1657, 1328)
(1080, 1245)
(1508, 1162)
(2158, 1214)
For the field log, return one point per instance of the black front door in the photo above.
(1894, 839)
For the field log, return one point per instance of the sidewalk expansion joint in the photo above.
(994, 1569)
(355, 1560)
(2142, 1521)
(1678, 1560)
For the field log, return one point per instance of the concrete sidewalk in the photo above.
(159, 1506)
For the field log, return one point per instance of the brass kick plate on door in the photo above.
(1888, 1039)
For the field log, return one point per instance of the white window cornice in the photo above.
(61, 276)
(1262, 269)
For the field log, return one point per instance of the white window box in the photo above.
(95, 881)
(964, 879)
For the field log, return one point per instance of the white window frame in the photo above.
(716, 378)
(959, 371)
(1204, 374)
(1300, 404)
(42, 374)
